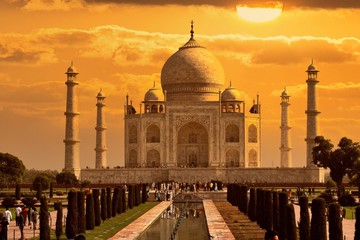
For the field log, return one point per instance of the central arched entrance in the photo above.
(193, 146)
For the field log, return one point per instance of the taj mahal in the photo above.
(191, 128)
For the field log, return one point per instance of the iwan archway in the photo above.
(192, 146)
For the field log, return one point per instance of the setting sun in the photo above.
(259, 13)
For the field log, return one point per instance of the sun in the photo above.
(260, 13)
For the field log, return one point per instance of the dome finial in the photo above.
(192, 29)
(154, 85)
(230, 83)
(312, 61)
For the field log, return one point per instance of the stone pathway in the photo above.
(218, 229)
(134, 229)
(239, 224)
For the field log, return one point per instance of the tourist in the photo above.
(25, 214)
(271, 235)
(18, 211)
(21, 223)
(80, 237)
(34, 217)
(8, 215)
(4, 228)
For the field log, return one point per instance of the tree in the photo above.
(90, 212)
(283, 202)
(58, 231)
(81, 211)
(103, 204)
(335, 223)
(275, 202)
(318, 220)
(340, 161)
(44, 219)
(357, 223)
(66, 178)
(40, 184)
(304, 225)
(97, 211)
(291, 225)
(18, 191)
(108, 202)
(72, 215)
(11, 169)
(252, 205)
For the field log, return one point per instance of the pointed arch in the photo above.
(133, 134)
(253, 158)
(153, 134)
(153, 158)
(232, 133)
(132, 159)
(252, 134)
(232, 158)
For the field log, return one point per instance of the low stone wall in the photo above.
(191, 175)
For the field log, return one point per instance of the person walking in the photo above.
(8, 215)
(18, 211)
(34, 217)
(21, 225)
(4, 228)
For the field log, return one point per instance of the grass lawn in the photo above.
(111, 226)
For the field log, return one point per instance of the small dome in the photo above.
(71, 69)
(100, 95)
(312, 68)
(284, 94)
(231, 94)
(154, 94)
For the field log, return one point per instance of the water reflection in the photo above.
(187, 220)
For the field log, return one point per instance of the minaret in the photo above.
(72, 142)
(285, 155)
(311, 113)
(100, 128)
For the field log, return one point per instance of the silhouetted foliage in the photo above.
(123, 202)
(66, 178)
(318, 220)
(40, 184)
(291, 225)
(72, 215)
(144, 195)
(51, 194)
(115, 201)
(81, 212)
(8, 202)
(90, 213)
(304, 225)
(283, 202)
(97, 209)
(108, 202)
(29, 201)
(252, 205)
(18, 191)
(59, 215)
(131, 196)
(335, 224)
(103, 204)
(347, 200)
(276, 216)
(357, 223)
(44, 219)
(268, 223)
(11, 169)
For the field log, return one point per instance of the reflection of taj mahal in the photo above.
(191, 129)
(191, 122)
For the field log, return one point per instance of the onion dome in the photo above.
(231, 94)
(154, 94)
(192, 73)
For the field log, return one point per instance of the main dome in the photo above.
(192, 73)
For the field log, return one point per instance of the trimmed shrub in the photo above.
(123, 200)
(131, 196)
(8, 202)
(275, 196)
(144, 195)
(59, 215)
(357, 223)
(327, 197)
(97, 209)
(72, 215)
(103, 204)
(18, 191)
(283, 202)
(259, 206)
(304, 225)
(90, 212)
(291, 225)
(44, 219)
(115, 201)
(347, 200)
(137, 195)
(119, 208)
(108, 202)
(252, 205)
(268, 209)
(51, 192)
(29, 201)
(318, 220)
(81, 211)
(335, 224)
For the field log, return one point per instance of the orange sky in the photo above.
(121, 48)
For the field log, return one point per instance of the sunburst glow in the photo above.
(259, 14)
